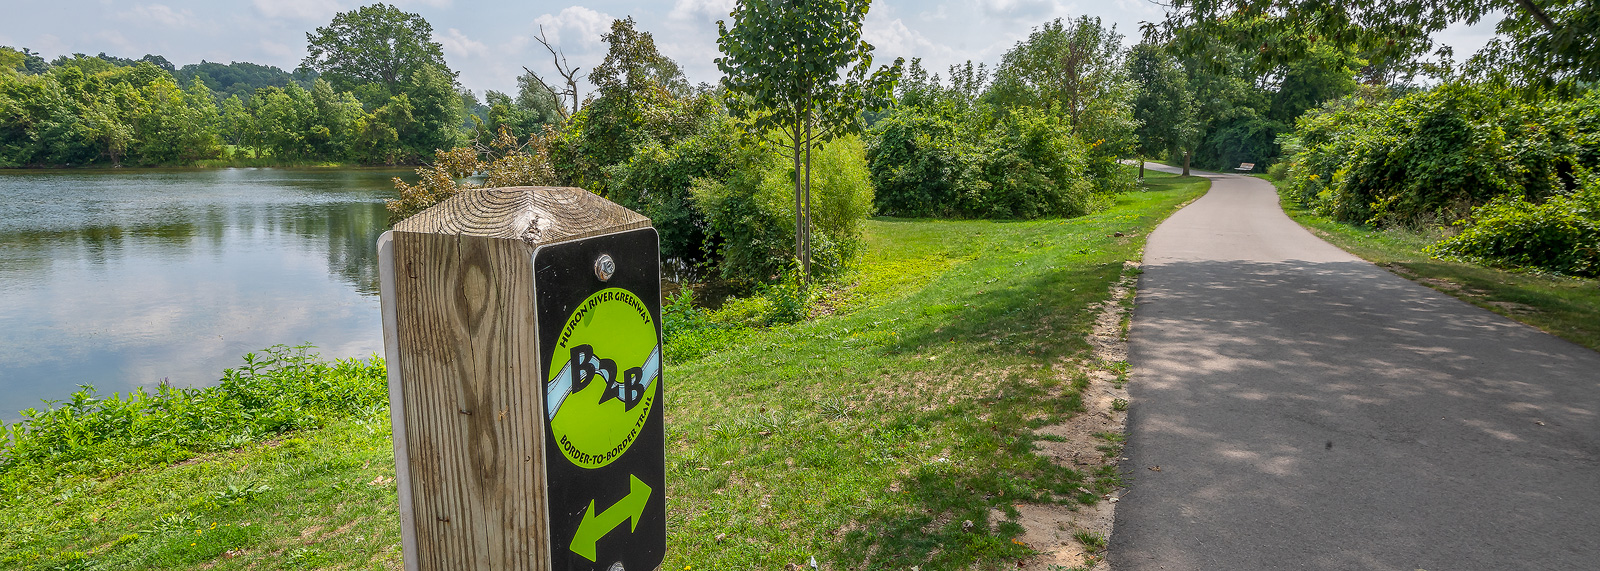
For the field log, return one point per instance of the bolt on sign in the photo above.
(522, 328)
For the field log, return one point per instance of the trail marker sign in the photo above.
(522, 328)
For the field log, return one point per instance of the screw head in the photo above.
(605, 267)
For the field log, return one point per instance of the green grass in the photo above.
(1091, 541)
(1565, 307)
(865, 438)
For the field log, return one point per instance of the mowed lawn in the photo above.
(894, 432)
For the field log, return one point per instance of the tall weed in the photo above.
(275, 391)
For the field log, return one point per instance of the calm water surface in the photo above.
(121, 279)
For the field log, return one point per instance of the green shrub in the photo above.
(1278, 171)
(749, 218)
(1025, 164)
(1035, 168)
(681, 314)
(1432, 156)
(788, 299)
(750, 214)
(920, 162)
(1560, 235)
(656, 182)
(841, 199)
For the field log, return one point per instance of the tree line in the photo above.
(1495, 156)
(804, 135)
(374, 89)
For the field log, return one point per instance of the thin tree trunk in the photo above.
(807, 264)
(1141, 167)
(799, 237)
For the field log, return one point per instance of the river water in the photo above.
(125, 278)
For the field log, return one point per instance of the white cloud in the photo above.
(160, 14)
(575, 28)
(701, 10)
(1036, 10)
(298, 9)
(689, 36)
(1466, 40)
(893, 39)
(457, 44)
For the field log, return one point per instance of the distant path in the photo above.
(1256, 346)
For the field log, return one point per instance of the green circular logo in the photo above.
(603, 377)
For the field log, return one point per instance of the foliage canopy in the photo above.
(378, 44)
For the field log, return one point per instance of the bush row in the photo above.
(1022, 164)
(1431, 156)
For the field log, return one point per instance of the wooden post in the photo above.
(481, 295)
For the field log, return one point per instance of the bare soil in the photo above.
(1052, 529)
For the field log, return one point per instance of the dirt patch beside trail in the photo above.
(1058, 532)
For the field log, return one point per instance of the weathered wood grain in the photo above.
(533, 214)
(472, 395)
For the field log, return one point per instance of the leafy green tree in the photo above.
(1543, 44)
(1163, 104)
(642, 99)
(1075, 69)
(1074, 66)
(107, 121)
(89, 65)
(782, 62)
(12, 62)
(176, 126)
(42, 120)
(633, 66)
(435, 114)
(283, 117)
(657, 179)
(378, 133)
(633, 78)
(22, 61)
(332, 121)
(527, 113)
(236, 78)
(237, 127)
(1324, 74)
(378, 45)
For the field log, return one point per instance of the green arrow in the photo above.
(593, 527)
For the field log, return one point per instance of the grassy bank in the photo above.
(1566, 307)
(894, 432)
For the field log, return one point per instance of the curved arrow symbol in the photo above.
(593, 527)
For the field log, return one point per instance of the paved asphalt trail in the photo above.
(1309, 410)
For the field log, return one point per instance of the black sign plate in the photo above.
(605, 448)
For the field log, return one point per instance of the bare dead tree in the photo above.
(567, 72)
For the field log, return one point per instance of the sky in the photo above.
(488, 43)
